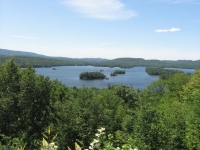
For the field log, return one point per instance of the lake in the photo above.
(69, 75)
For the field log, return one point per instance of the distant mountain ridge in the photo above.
(7, 52)
(37, 60)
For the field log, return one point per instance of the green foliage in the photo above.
(25, 102)
(88, 110)
(175, 84)
(8, 143)
(128, 94)
(9, 97)
(191, 97)
(164, 120)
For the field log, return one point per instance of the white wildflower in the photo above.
(98, 135)
(101, 130)
(92, 144)
(52, 144)
(55, 146)
(96, 141)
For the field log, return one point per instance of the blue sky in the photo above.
(149, 29)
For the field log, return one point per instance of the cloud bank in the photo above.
(101, 9)
(168, 30)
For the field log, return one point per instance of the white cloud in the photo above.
(24, 37)
(101, 9)
(168, 30)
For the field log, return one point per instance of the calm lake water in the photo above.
(135, 77)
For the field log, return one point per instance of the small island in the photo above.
(117, 72)
(92, 75)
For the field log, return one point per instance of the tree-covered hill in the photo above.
(23, 61)
(37, 60)
(6, 52)
(134, 62)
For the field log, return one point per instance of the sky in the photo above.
(149, 29)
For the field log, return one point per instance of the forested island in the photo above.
(117, 72)
(163, 116)
(92, 75)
